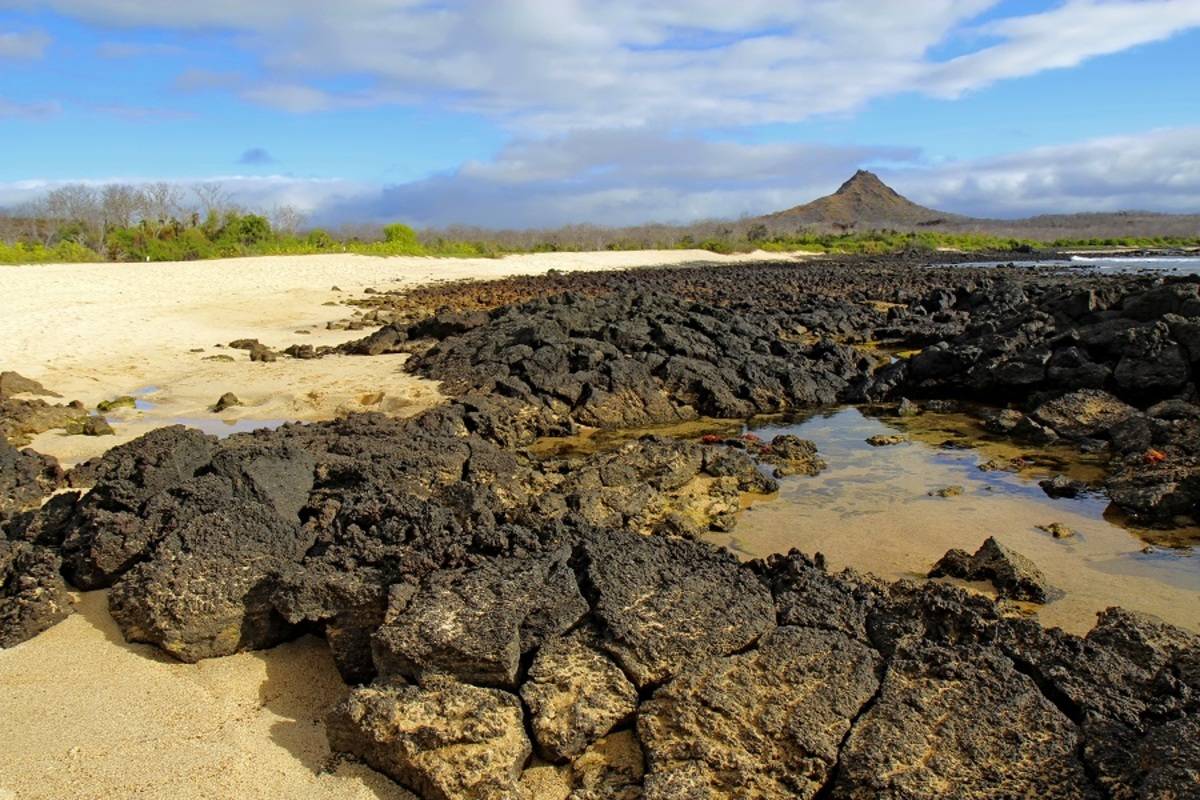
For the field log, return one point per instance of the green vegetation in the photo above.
(80, 224)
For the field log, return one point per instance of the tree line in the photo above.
(168, 222)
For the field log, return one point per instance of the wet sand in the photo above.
(871, 510)
(93, 332)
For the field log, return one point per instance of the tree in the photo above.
(287, 219)
(161, 201)
(400, 234)
(212, 199)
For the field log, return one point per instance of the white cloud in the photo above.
(556, 65)
(256, 192)
(635, 177)
(23, 45)
(1155, 171)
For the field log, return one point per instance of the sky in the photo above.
(538, 113)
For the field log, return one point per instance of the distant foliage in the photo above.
(158, 222)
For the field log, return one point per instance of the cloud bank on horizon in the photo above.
(521, 113)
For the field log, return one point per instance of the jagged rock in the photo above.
(611, 769)
(475, 623)
(114, 525)
(125, 401)
(278, 477)
(907, 408)
(885, 440)
(444, 740)
(12, 383)
(791, 455)
(25, 478)
(763, 724)
(665, 603)
(575, 695)
(21, 420)
(88, 426)
(1057, 530)
(1161, 492)
(806, 595)
(1013, 575)
(33, 596)
(960, 723)
(1062, 486)
(227, 400)
(207, 590)
(1084, 414)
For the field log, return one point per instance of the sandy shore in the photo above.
(86, 715)
(93, 332)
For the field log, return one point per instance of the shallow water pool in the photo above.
(871, 510)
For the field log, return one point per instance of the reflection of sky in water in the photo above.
(871, 509)
(1174, 265)
(863, 479)
(225, 427)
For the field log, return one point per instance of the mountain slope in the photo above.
(864, 201)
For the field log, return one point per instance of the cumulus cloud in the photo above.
(23, 45)
(616, 177)
(635, 177)
(550, 65)
(1155, 171)
(628, 178)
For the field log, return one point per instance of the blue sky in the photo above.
(543, 112)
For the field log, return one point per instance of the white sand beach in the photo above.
(88, 716)
(92, 332)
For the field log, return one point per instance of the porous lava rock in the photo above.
(475, 623)
(1013, 575)
(664, 603)
(444, 740)
(33, 596)
(764, 724)
(575, 695)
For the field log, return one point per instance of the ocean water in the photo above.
(1172, 265)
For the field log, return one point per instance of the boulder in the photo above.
(575, 695)
(611, 769)
(26, 478)
(12, 383)
(226, 401)
(961, 722)
(33, 596)
(475, 623)
(1013, 575)
(665, 603)
(766, 724)
(445, 740)
(206, 591)
(1087, 413)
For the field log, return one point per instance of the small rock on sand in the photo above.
(1057, 530)
(125, 401)
(886, 439)
(227, 400)
(949, 491)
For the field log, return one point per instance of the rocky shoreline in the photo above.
(493, 605)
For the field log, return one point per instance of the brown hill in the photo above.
(864, 201)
